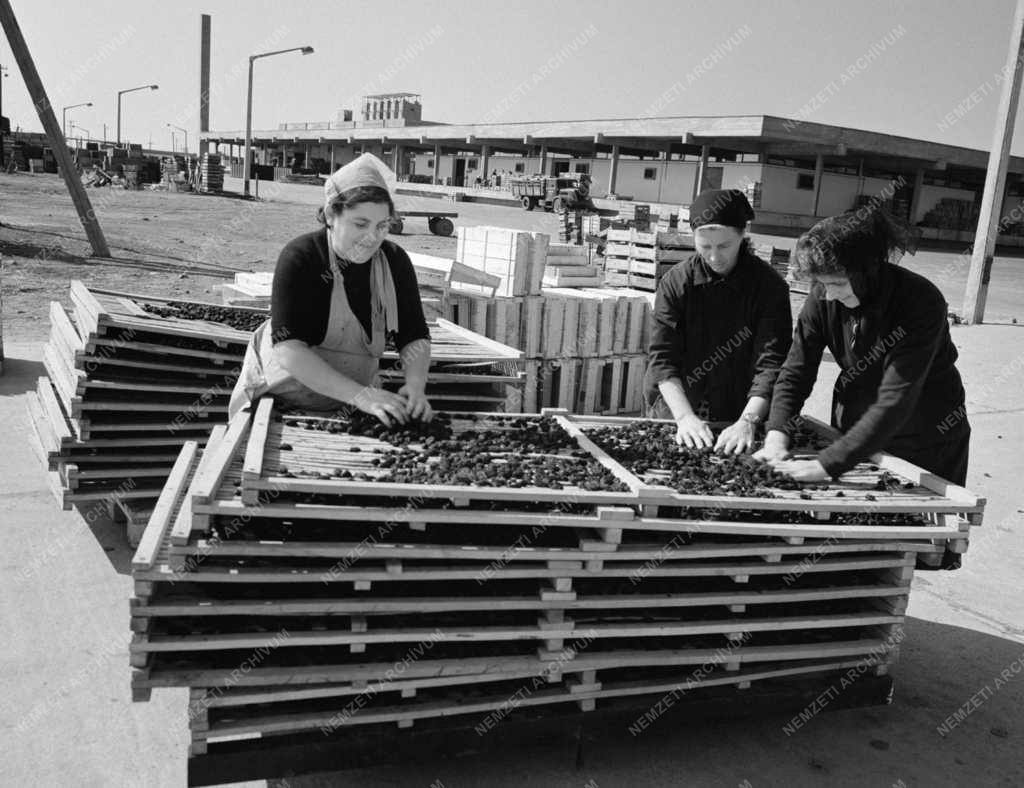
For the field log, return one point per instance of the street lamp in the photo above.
(74, 126)
(64, 115)
(248, 110)
(121, 93)
(183, 131)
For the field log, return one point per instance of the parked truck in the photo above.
(558, 194)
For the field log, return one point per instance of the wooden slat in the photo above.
(206, 483)
(181, 528)
(252, 467)
(160, 520)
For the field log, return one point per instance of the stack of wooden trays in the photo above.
(467, 371)
(638, 259)
(131, 378)
(299, 579)
(126, 387)
(211, 173)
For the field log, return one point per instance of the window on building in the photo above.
(520, 167)
(472, 164)
(583, 168)
(650, 173)
(804, 181)
(430, 164)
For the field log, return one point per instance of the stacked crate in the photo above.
(584, 346)
(360, 597)
(571, 265)
(638, 259)
(211, 173)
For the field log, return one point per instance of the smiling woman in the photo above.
(339, 295)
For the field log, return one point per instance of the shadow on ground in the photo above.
(957, 718)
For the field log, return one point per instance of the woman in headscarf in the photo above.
(720, 332)
(898, 389)
(339, 295)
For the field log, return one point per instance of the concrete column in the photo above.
(396, 159)
(819, 171)
(332, 158)
(543, 159)
(613, 169)
(915, 200)
(437, 164)
(702, 171)
(485, 158)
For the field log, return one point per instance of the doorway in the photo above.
(459, 178)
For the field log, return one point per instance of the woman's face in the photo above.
(359, 231)
(838, 288)
(719, 246)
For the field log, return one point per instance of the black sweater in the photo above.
(301, 294)
(725, 338)
(898, 388)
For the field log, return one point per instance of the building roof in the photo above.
(768, 135)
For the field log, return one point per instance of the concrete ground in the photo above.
(64, 675)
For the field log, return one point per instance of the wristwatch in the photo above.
(752, 418)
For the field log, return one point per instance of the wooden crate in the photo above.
(516, 257)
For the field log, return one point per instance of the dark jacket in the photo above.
(725, 338)
(898, 388)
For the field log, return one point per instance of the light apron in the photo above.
(345, 347)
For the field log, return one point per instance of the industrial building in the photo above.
(794, 171)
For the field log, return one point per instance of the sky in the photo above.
(895, 67)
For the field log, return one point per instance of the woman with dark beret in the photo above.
(339, 295)
(898, 389)
(720, 330)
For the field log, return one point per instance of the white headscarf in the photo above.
(367, 170)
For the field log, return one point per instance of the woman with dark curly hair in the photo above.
(898, 389)
(339, 295)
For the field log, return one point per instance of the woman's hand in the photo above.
(417, 406)
(736, 438)
(803, 470)
(693, 431)
(776, 447)
(382, 404)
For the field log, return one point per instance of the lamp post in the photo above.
(173, 143)
(88, 138)
(121, 93)
(183, 131)
(248, 110)
(64, 115)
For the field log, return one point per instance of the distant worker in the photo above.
(898, 388)
(339, 295)
(720, 331)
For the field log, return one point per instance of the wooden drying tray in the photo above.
(269, 679)
(583, 691)
(929, 495)
(334, 451)
(99, 310)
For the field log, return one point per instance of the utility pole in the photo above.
(995, 179)
(86, 213)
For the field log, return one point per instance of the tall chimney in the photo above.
(204, 81)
